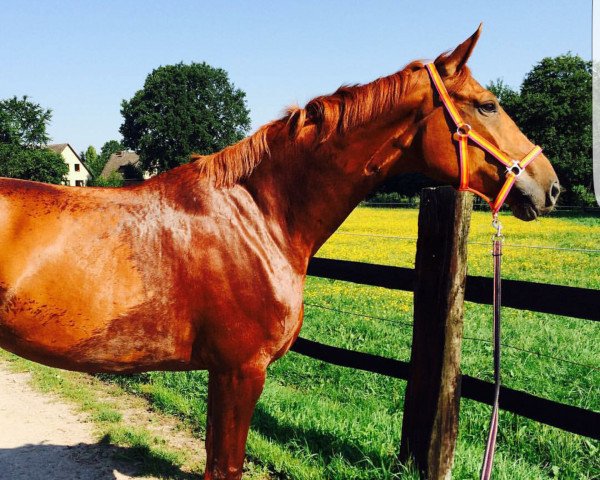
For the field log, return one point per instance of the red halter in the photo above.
(464, 132)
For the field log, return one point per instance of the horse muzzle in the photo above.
(529, 200)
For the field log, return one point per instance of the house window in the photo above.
(79, 183)
(76, 167)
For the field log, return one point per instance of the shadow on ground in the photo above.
(98, 461)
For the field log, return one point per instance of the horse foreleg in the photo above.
(232, 397)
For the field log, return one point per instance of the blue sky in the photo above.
(81, 59)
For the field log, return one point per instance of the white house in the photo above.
(78, 175)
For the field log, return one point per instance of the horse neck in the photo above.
(311, 190)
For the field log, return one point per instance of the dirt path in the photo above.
(43, 438)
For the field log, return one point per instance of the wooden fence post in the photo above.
(432, 400)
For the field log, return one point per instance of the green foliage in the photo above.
(183, 109)
(22, 138)
(38, 164)
(393, 199)
(96, 163)
(508, 97)
(554, 109)
(407, 185)
(115, 179)
(23, 122)
(92, 161)
(583, 197)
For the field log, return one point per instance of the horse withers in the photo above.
(203, 267)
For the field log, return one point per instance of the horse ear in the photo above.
(449, 64)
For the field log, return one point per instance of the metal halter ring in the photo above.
(515, 166)
(463, 129)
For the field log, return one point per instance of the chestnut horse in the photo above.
(203, 267)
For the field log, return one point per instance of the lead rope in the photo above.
(488, 457)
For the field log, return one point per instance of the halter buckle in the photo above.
(515, 168)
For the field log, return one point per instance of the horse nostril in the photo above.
(553, 194)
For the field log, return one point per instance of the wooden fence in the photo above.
(546, 298)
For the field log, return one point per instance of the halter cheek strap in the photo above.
(464, 133)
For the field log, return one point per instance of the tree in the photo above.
(407, 185)
(554, 109)
(92, 161)
(183, 109)
(22, 140)
(23, 122)
(37, 164)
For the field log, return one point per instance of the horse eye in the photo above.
(488, 107)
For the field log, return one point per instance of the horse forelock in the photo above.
(348, 107)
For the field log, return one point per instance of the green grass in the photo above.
(319, 421)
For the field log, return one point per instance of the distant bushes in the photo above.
(392, 199)
(115, 179)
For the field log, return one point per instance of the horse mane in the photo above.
(348, 107)
(351, 106)
(235, 162)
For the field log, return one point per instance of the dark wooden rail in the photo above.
(566, 417)
(544, 298)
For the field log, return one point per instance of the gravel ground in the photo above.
(44, 438)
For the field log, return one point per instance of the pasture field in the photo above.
(319, 421)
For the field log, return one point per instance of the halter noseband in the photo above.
(464, 132)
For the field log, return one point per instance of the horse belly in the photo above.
(145, 338)
(137, 340)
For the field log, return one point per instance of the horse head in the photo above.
(492, 140)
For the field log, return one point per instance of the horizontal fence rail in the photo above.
(545, 298)
(575, 302)
(566, 417)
